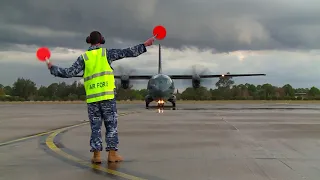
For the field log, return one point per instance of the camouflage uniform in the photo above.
(105, 110)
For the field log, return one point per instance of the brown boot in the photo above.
(96, 157)
(113, 156)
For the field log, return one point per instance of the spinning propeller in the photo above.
(197, 71)
(124, 71)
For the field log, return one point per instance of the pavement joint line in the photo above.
(51, 131)
(52, 146)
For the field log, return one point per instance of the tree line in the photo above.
(224, 89)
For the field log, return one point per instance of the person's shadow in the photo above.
(109, 165)
(113, 165)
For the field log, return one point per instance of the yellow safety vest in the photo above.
(99, 82)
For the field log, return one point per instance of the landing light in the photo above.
(161, 102)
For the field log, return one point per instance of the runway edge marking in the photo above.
(51, 131)
(52, 146)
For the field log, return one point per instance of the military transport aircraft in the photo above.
(161, 86)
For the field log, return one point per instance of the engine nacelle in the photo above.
(196, 81)
(125, 82)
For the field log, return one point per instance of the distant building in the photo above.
(303, 95)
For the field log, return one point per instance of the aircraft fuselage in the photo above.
(160, 89)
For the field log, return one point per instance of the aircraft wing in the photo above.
(130, 77)
(136, 77)
(78, 76)
(213, 76)
(187, 76)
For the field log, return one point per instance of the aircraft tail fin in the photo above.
(160, 62)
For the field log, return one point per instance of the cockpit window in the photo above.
(164, 80)
(160, 81)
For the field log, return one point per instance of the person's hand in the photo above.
(49, 64)
(149, 42)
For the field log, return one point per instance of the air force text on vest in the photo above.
(99, 85)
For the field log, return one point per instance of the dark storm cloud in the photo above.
(223, 25)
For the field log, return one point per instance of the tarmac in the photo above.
(192, 142)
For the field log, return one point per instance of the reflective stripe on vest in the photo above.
(98, 76)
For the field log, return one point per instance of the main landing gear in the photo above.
(173, 103)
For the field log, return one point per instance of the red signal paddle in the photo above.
(159, 32)
(43, 54)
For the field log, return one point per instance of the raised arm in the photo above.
(70, 72)
(116, 54)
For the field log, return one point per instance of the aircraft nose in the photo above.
(162, 87)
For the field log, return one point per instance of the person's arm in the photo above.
(116, 54)
(70, 72)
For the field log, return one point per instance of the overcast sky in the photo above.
(278, 37)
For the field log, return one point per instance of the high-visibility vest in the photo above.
(98, 77)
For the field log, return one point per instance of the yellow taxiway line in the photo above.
(50, 143)
(48, 132)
